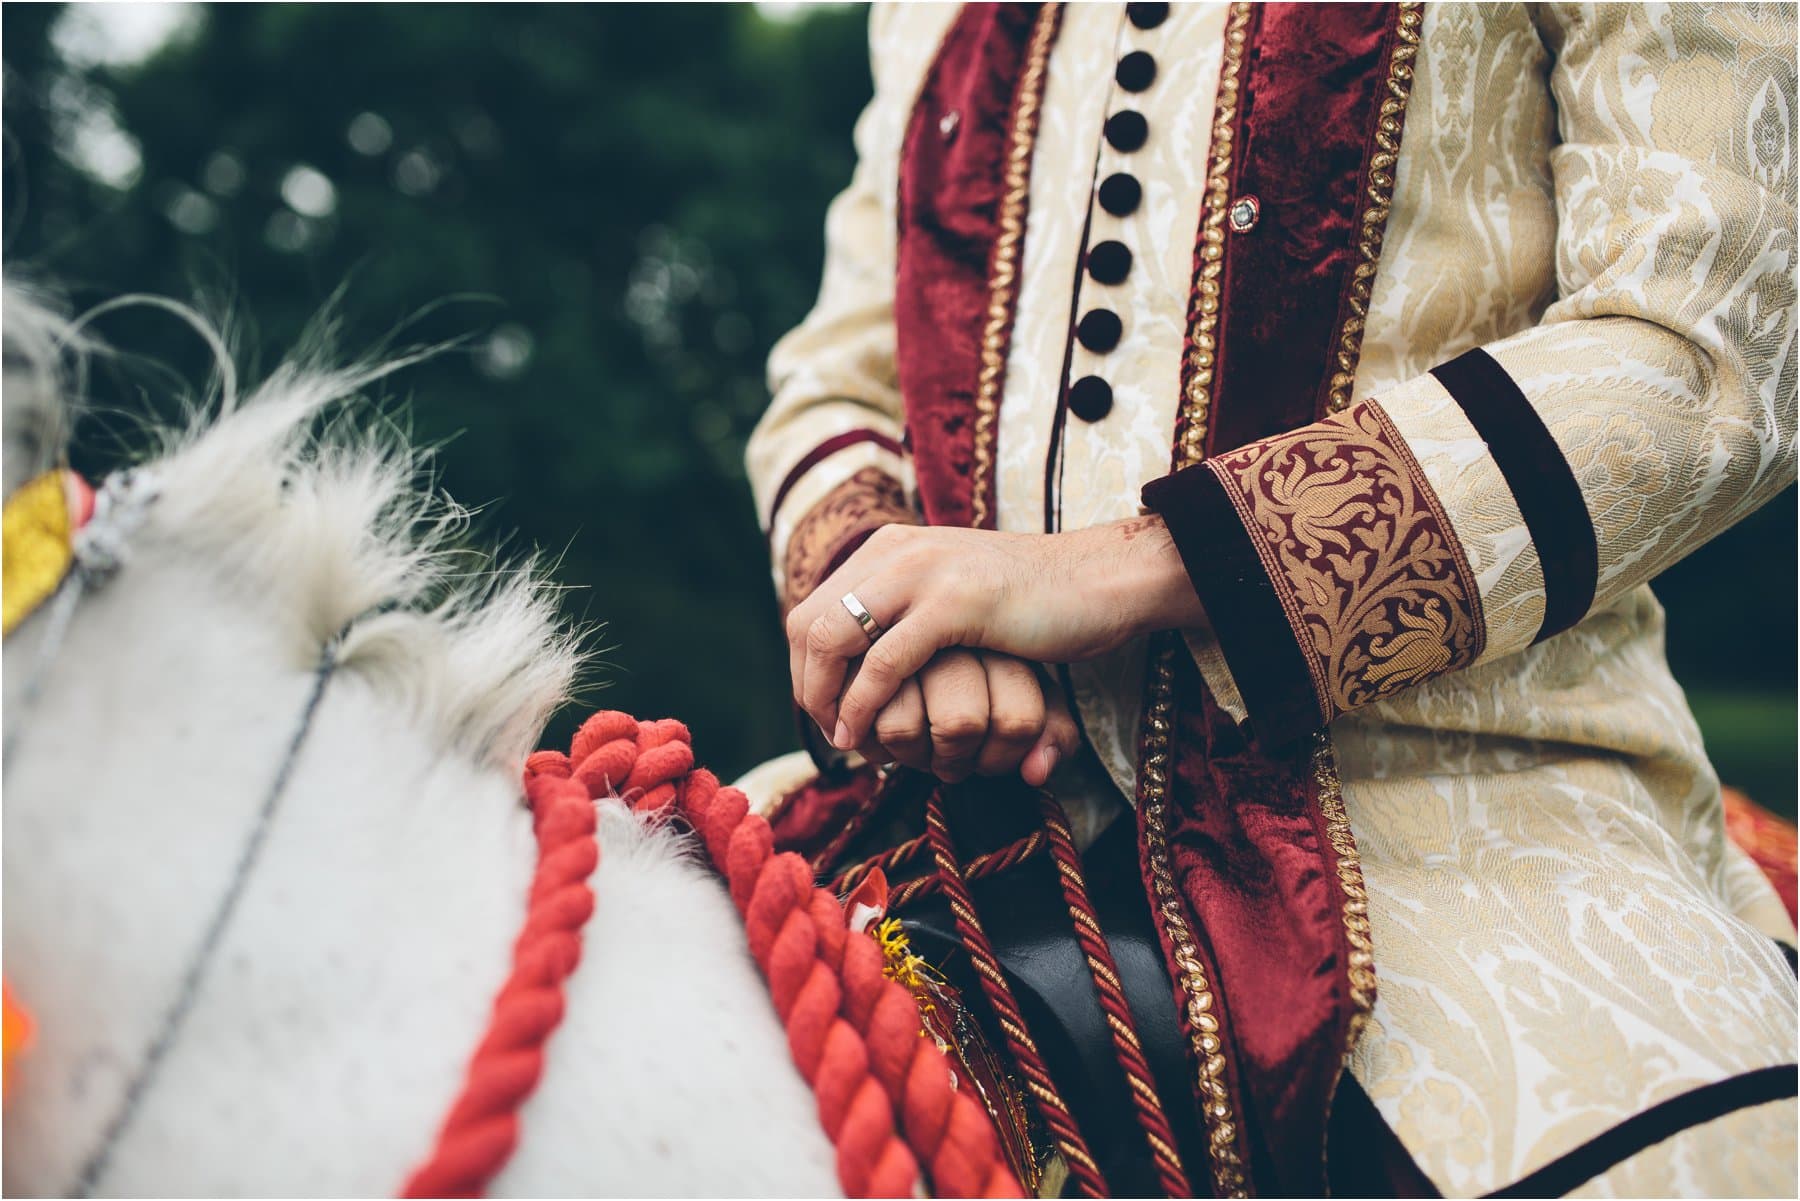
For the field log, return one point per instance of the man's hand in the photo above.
(1045, 598)
(975, 712)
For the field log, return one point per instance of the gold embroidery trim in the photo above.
(1350, 878)
(1362, 557)
(1380, 200)
(1198, 1000)
(1194, 420)
(1004, 275)
(1388, 129)
(1196, 400)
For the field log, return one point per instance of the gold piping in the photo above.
(1380, 199)
(1196, 400)
(1350, 879)
(1380, 193)
(1198, 1001)
(1003, 278)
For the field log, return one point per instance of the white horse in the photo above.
(266, 857)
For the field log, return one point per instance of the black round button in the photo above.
(1147, 16)
(1119, 194)
(1126, 131)
(1099, 331)
(1136, 71)
(1090, 398)
(1109, 262)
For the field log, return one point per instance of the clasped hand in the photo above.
(949, 683)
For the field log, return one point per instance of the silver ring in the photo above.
(870, 627)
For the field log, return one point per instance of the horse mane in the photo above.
(35, 422)
(318, 508)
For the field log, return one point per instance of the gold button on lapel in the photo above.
(1244, 214)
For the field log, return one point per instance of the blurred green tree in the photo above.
(638, 189)
(637, 193)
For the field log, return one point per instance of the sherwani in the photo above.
(1553, 354)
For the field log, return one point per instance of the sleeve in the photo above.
(826, 461)
(1496, 500)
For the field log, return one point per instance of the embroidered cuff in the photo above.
(1329, 569)
(831, 530)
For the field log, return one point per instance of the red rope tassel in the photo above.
(1006, 1009)
(1104, 969)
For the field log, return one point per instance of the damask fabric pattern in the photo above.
(1739, 1155)
(1602, 197)
(1545, 823)
(1550, 875)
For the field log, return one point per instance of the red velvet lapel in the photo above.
(964, 174)
(1254, 836)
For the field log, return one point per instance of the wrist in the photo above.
(1156, 591)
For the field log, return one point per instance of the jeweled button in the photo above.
(1090, 398)
(1136, 71)
(1109, 262)
(947, 124)
(1147, 16)
(1120, 194)
(1099, 330)
(1127, 130)
(1244, 214)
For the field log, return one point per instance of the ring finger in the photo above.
(833, 641)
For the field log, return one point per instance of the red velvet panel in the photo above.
(1253, 862)
(1313, 87)
(951, 174)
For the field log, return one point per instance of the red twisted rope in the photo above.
(992, 863)
(482, 1128)
(889, 861)
(885, 1093)
(1105, 971)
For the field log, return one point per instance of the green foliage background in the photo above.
(620, 207)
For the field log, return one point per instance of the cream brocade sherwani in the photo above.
(1602, 198)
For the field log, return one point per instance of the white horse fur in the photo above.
(335, 1017)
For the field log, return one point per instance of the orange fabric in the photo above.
(1767, 839)
(885, 1094)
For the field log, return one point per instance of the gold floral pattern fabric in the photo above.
(1555, 908)
(1367, 567)
(1564, 933)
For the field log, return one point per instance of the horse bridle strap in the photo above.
(169, 1028)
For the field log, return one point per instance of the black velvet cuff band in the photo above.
(1540, 480)
(1240, 601)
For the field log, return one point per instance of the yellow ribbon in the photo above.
(37, 550)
